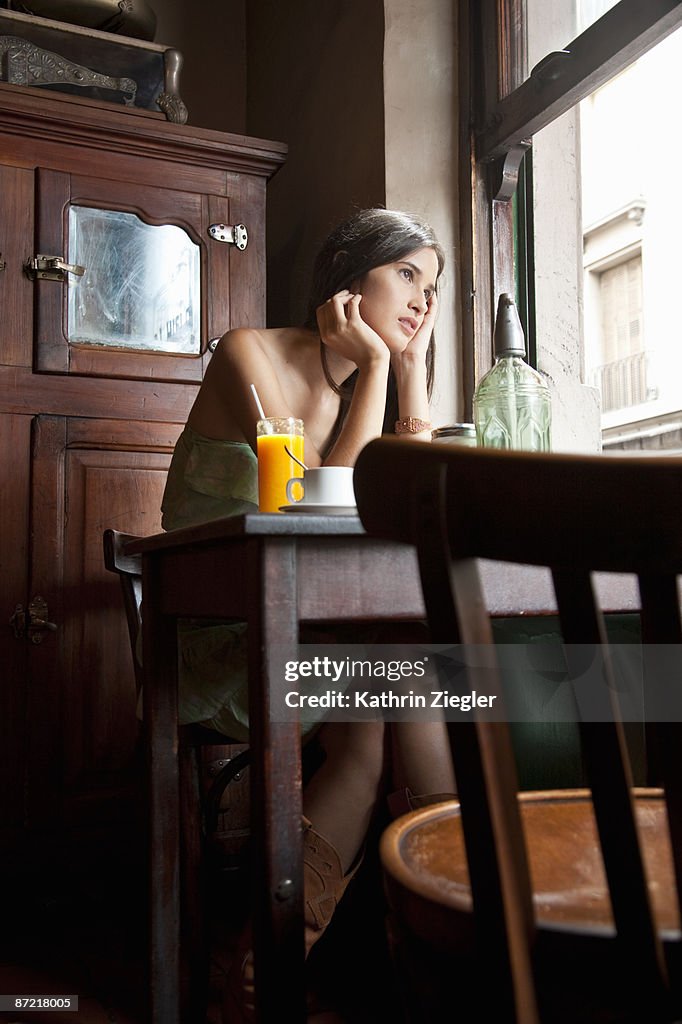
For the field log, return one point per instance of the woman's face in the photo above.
(396, 296)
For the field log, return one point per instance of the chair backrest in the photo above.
(129, 570)
(575, 515)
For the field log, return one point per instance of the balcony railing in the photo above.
(623, 382)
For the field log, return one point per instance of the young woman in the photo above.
(362, 364)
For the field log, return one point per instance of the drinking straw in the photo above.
(267, 427)
(260, 407)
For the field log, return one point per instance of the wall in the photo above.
(315, 81)
(210, 34)
(559, 253)
(421, 124)
(364, 94)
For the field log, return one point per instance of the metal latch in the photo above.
(32, 623)
(235, 234)
(51, 268)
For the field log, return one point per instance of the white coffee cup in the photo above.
(324, 485)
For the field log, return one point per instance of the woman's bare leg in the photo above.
(419, 750)
(420, 757)
(339, 802)
(340, 798)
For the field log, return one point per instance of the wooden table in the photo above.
(275, 572)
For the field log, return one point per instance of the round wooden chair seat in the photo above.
(424, 862)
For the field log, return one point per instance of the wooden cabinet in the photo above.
(98, 372)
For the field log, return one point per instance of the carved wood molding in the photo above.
(91, 124)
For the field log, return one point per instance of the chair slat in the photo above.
(662, 637)
(575, 515)
(610, 779)
(485, 769)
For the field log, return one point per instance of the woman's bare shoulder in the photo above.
(243, 339)
(279, 362)
(277, 345)
(267, 337)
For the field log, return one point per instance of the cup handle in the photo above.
(290, 483)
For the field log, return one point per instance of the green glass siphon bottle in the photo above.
(512, 406)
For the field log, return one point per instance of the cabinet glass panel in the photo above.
(141, 286)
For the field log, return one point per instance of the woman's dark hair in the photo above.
(368, 239)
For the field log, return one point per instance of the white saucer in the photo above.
(321, 510)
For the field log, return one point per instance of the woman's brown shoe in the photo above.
(324, 882)
(323, 886)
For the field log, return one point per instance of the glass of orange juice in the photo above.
(275, 466)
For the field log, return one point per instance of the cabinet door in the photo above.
(87, 476)
(150, 285)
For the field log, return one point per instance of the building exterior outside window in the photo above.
(621, 376)
(582, 95)
(632, 224)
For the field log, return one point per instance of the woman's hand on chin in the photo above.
(344, 331)
(414, 352)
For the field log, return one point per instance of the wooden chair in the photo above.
(212, 785)
(557, 906)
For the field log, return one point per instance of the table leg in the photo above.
(276, 786)
(160, 657)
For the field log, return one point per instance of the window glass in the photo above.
(606, 237)
(141, 286)
(620, 373)
(590, 11)
(631, 229)
(553, 24)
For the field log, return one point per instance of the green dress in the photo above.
(210, 479)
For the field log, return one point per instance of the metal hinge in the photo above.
(3, 263)
(32, 622)
(51, 268)
(234, 234)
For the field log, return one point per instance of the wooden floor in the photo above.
(82, 932)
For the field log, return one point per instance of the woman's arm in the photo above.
(409, 368)
(347, 335)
